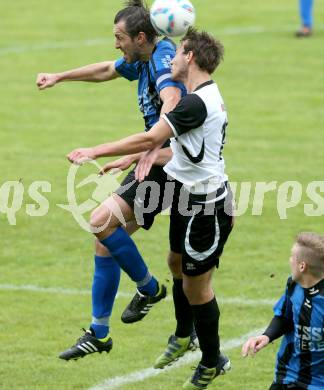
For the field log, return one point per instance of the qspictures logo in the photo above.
(250, 197)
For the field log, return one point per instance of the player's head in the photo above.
(133, 30)
(307, 256)
(200, 49)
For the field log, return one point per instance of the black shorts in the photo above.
(146, 198)
(278, 386)
(201, 236)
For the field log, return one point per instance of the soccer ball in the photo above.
(172, 17)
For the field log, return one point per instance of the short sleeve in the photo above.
(283, 308)
(128, 71)
(189, 114)
(161, 63)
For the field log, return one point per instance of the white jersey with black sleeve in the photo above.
(198, 123)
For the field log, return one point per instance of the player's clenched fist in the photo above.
(254, 345)
(46, 80)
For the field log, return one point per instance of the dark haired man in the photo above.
(198, 230)
(146, 59)
(299, 318)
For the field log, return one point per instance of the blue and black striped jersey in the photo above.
(152, 76)
(300, 359)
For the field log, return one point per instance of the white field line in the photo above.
(190, 357)
(100, 41)
(72, 291)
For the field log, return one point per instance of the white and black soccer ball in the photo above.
(172, 17)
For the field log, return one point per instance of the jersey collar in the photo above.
(317, 289)
(165, 39)
(209, 82)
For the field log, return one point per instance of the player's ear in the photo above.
(189, 56)
(303, 266)
(141, 38)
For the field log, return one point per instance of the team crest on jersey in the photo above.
(166, 61)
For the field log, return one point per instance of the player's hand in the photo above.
(122, 163)
(145, 163)
(254, 345)
(46, 80)
(79, 156)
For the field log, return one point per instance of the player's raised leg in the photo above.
(125, 252)
(104, 289)
(105, 285)
(115, 250)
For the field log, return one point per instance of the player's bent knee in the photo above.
(96, 218)
(100, 217)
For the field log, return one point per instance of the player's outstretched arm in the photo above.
(136, 143)
(254, 345)
(101, 71)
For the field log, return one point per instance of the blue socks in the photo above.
(306, 12)
(106, 278)
(104, 289)
(125, 253)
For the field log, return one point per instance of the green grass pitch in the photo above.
(272, 84)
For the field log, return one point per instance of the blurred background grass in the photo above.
(273, 88)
